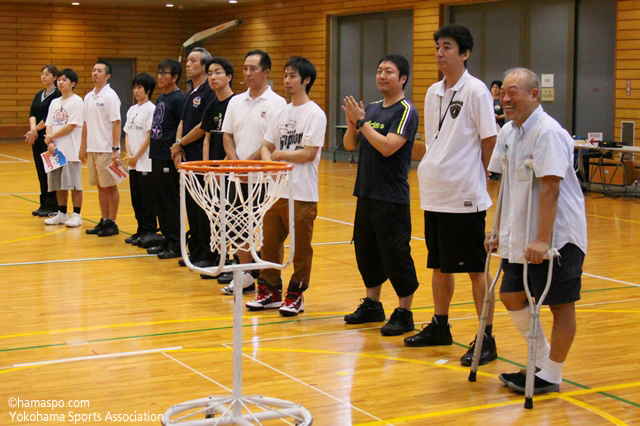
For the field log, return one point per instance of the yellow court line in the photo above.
(33, 237)
(608, 311)
(613, 218)
(599, 412)
(11, 370)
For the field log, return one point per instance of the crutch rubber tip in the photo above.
(528, 403)
(472, 376)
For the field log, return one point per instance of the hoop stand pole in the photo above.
(237, 344)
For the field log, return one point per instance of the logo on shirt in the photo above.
(60, 117)
(288, 136)
(99, 104)
(263, 112)
(133, 124)
(196, 101)
(455, 108)
(158, 118)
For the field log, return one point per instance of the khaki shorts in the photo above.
(97, 163)
(67, 177)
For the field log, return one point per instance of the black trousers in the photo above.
(199, 229)
(48, 199)
(142, 200)
(166, 186)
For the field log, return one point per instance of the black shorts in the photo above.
(565, 279)
(455, 241)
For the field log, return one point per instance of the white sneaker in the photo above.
(247, 284)
(58, 218)
(74, 221)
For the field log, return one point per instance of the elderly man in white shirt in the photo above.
(557, 221)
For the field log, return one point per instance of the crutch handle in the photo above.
(529, 163)
(551, 254)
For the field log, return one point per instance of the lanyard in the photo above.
(442, 117)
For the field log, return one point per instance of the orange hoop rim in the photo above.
(235, 166)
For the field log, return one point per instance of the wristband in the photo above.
(360, 123)
(115, 148)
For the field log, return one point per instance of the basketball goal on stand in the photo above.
(235, 196)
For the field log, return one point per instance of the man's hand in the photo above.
(491, 246)
(536, 251)
(179, 158)
(115, 155)
(30, 136)
(131, 161)
(176, 148)
(82, 155)
(51, 149)
(353, 110)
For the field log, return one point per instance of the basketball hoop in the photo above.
(235, 195)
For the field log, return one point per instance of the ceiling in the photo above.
(147, 4)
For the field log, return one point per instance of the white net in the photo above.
(248, 194)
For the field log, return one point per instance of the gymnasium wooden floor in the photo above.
(89, 318)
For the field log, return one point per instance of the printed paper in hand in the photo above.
(52, 162)
(118, 171)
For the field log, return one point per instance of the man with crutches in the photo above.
(533, 142)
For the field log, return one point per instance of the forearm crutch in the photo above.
(488, 289)
(534, 305)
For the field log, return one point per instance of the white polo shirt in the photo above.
(293, 128)
(61, 113)
(100, 110)
(139, 120)
(451, 175)
(551, 147)
(248, 119)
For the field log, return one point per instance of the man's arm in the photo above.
(256, 155)
(116, 129)
(229, 146)
(193, 135)
(51, 135)
(145, 146)
(267, 150)
(549, 193)
(82, 154)
(487, 149)
(205, 146)
(299, 156)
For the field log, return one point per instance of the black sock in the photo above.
(488, 329)
(441, 320)
(62, 209)
(76, 209)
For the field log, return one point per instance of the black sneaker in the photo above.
(431, 335)
(129, 240)
(225, 278)
(368, 311)
(517, 382)
(110, 228)
(488, 353)
(400, 322)
(97, 228)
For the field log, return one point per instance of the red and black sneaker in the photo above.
(266, 298)
(294, 300)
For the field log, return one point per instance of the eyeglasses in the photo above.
(209, 74)
(163, 73)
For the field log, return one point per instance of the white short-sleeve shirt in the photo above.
(100, 110)
(139, 120)
(292, 128)
(61, 113)
(451, 175)
(542, 139)
(248, 119)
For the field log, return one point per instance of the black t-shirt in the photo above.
(386, 178)
(497, 106)
(40, 109)
(166, 119)
(212, 122)
(192, 115)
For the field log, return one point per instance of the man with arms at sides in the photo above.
(557, 201)
(245, 124)
(189, 148)
(35, 136)
(138, 137)
(295, 135)
(101, 146)
(64, 132)
(382, 226)
(166, 183)
(460, 133)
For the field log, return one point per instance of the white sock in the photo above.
(552, 372)
(522, 319)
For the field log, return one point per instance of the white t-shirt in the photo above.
(292, 128)
(248, 120)
(139, 120)
(451, 175)
(100, 110)
(551, 148)
(61, 113)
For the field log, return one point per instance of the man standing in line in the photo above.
(245, 125)
(296, 135)
(382, 226)
(460, 132)
(101, 146)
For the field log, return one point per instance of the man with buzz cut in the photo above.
(296, 135)
(244, 126)
(382, 226)
(460, 133)
(101, 146)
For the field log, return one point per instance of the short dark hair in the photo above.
(51, 68)
(461, 35)
(305, 68)
(107, 66)
(401, 63)
(70, 74)
(145, 81)
(226, 66)
(497, 83)
(172, 65)
(265, 59)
